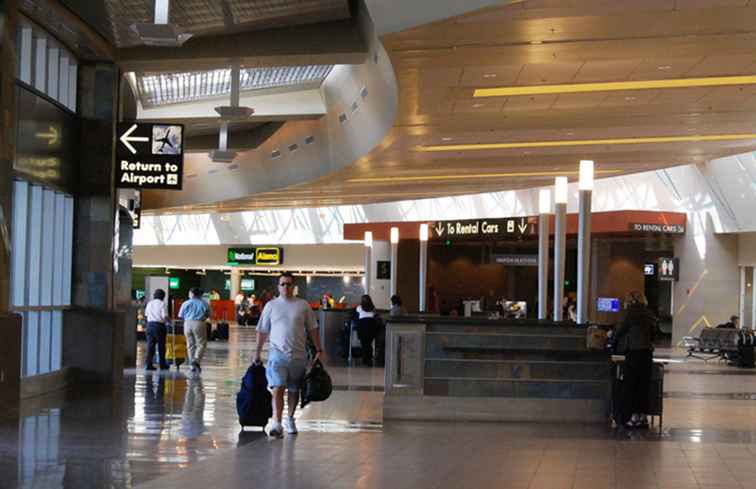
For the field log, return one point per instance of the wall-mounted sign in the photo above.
(649, 269)
(669, 269)
(247, 284)
(150, 156)
(607, 304)
(516, 260)
(511, 227)
(269, 255)
(240, 256)
(657, 228)
(174, 283)
(383, 270)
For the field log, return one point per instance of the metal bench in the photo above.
(713, 343)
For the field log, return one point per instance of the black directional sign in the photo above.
(150, 155)
(511, 227)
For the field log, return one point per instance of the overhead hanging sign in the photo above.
(516, 260)
(506, 228)
(150, 156)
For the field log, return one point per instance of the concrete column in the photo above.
(543, 265)
(584, 255)
(423, 273)
(560, 252)
(368, 261)
(235, 282)
(394, 260)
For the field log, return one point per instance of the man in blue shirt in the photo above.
(194, 312)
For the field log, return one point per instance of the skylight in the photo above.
(171, 88)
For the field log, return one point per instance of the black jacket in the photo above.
(636, 329)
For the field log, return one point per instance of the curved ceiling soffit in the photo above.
(361, 103)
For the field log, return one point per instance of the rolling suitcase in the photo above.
(175, 344)
(221, 329)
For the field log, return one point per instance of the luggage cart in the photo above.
(655, 391)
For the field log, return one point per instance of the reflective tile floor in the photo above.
(163, 430)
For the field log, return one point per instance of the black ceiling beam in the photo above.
(335, 42)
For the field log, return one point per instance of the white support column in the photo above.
(368, 260)
(394, 259)
(584, 240)
(560, 243)
(423, 273)
(742, 296)
(235, 282)
(544, 205)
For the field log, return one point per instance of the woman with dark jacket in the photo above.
(635, 339)
(367, 328)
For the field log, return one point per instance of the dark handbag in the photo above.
(317, 385)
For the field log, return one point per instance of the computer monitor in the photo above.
(608, 304)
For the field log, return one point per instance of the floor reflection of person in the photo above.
(192, 415)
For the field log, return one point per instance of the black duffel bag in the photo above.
(317, 385)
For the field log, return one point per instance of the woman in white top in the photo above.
(366, 309)
(156, 317)
(367, 327)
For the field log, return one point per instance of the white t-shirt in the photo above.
(155, 311)
(239, 299)
(364, 314)
(285, 320)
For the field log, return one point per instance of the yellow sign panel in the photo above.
(268, 256)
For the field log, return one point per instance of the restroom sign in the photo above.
(149, 156)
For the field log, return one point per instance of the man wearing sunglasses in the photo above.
(286, 320)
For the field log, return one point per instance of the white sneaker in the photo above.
(290, 425)
(275, 430)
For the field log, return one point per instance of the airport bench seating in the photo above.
(712, 343)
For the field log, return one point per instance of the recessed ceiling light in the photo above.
(664, 67)
(586, 142)
(489, 75)
(477, 106)
(536, 42)
(714, 81)
(629, 98)
(446, 139)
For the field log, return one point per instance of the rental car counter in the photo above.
(478, 369)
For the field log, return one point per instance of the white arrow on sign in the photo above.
(439, 229)
(523, 226)
(125, 139)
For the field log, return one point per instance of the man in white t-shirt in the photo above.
(286, 320)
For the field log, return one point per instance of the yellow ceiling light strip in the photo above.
(717, 81)
(473, 176)
(585, 142)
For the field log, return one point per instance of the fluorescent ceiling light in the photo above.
(586, 142)
(560, 190)
(586, 175)
(544, 201)
(716, 81)
(472, 176)
(394, 235)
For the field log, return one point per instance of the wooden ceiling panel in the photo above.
(490, 76)
(611, 70)
(739, 64)
(548, 73)
(535, 102)
(659, 68)
(579, 100)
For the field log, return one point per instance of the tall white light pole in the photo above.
(423, 265)
(544, 210)
(394, 258)
(585, 187)
(560, 242)
(368, 259)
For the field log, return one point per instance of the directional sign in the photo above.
(150, 156)
(511, 227)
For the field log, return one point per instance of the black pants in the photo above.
(635, 385)
(155, 337)
(366, 330)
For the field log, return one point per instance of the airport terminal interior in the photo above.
(522, 229)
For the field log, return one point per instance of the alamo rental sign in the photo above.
(269, 255)
(505, 228)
